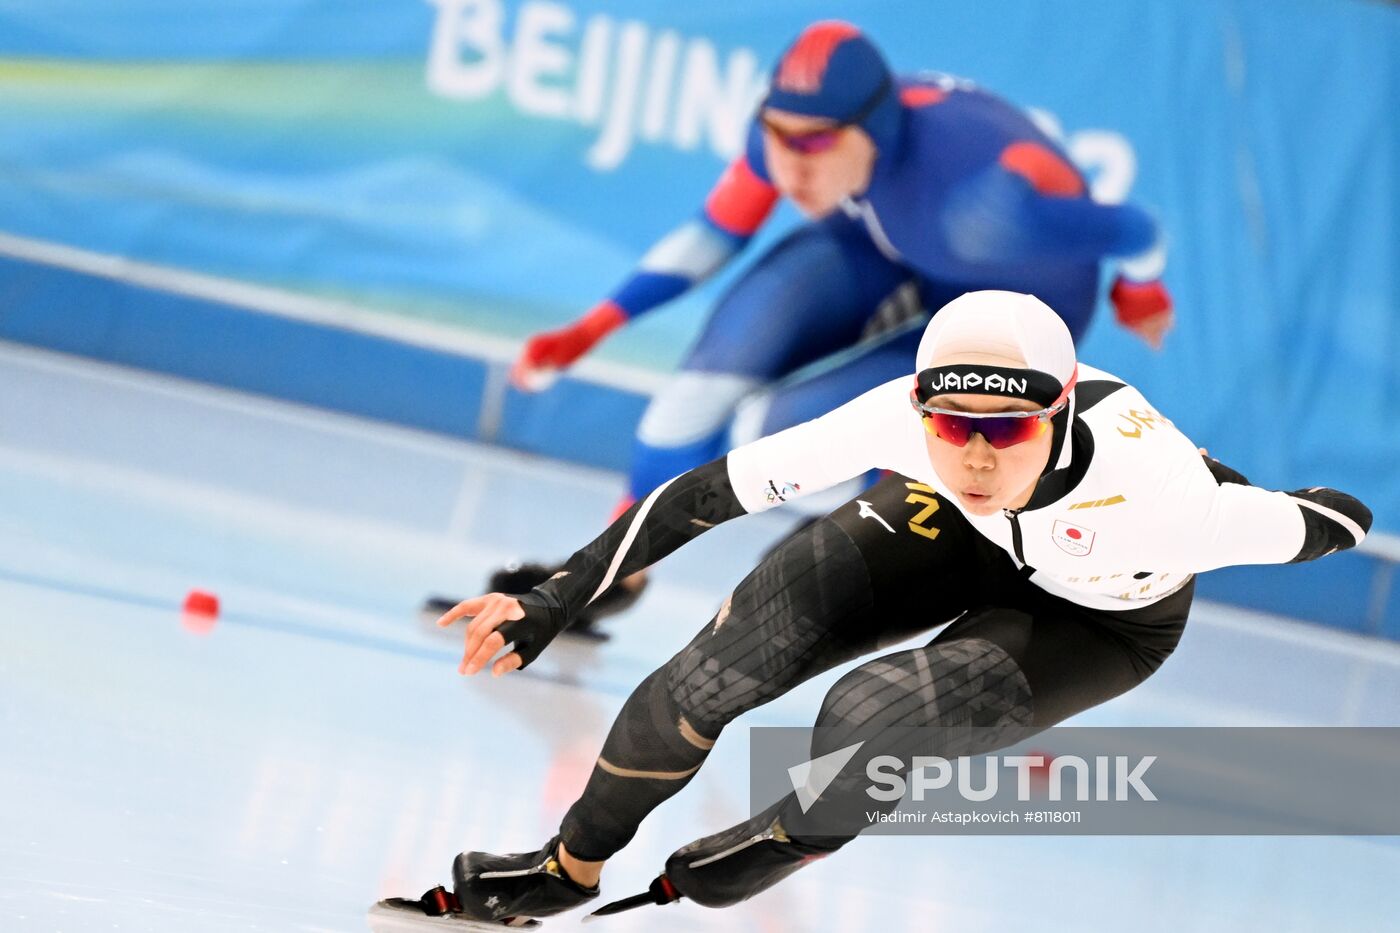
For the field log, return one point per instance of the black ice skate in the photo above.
(728, 867)
(521, 578)
(528, 884)
(489, 892)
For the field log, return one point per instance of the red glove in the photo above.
(1145, 308)
(556, 349)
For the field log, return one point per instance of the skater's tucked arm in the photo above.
(1238, 523)
(1033, 205)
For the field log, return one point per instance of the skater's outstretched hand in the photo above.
(487, 614)
(1145, 308)
(528, 621)
(545, 354)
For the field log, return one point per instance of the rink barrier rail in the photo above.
(345, 358)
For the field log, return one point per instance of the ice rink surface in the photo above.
(317, 750)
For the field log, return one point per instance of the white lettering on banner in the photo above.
(721, 106)
(467, 57)
(662, 89)
(537, 58)
(663, 72)
(1109, 161)
(593, 70)
(612, 147)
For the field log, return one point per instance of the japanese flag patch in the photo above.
(1075, 540)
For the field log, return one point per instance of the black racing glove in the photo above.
(545, 618)
(1333, 521)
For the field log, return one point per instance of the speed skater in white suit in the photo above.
(1038, 510)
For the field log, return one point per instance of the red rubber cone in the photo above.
(201, 612)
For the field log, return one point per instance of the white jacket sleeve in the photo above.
(1248, 525)
(1244, 524)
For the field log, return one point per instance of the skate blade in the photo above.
(387, 918)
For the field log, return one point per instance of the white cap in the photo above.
(1007, 324)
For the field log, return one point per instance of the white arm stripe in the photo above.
(628, 538)
(692, 251)
(1336, 516)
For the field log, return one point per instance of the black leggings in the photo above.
(1014, 660)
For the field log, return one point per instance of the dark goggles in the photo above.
(1001, 429)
